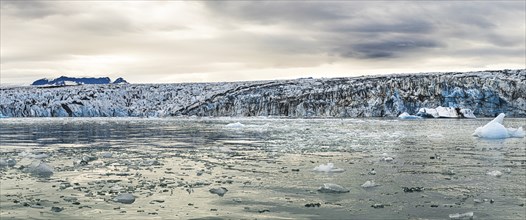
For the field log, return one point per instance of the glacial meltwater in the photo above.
(258, 168)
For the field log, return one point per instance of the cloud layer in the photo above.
(172, 41)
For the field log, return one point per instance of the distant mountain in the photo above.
(69, 81)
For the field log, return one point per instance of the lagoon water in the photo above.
(170, 164)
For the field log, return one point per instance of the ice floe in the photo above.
(235, 125)
(496, 130)
(125, 198)
(332, 188)
(369, 184)
(406, 115)
(467, 215)
(328, 168)
(40, 169)
(495, 173)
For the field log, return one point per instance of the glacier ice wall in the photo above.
(487, 93)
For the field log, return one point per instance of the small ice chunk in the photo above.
(495, 173)
(219, 191)
(495, 130)
(369, 184)
(516, 132)
(332, 188)
(235, 125)
(106, 155)
(3, 162)
(125, 198)
(387, 159)
(10, 162)
(329, 168)
(467, 215)
(406, 115)
(40, 169)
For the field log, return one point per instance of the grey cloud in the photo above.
(420, 26)
(32, 9)
(385, 49)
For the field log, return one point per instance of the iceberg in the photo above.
(125, 198)
(328, 168)
(467, 215)
(495, 173)
(40, 169)
(406, 115)
(235, 125)
(496, 130)
(445, 112)
(332, 188)
(369, 184)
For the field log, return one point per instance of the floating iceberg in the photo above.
(221, 191)
(125, 198)
(406, 115)
(332, 188)
(10, 162)
(40, 169)
(369, 184)
(467, 215)
(495, 173)
(329, 168)
(495, 130)
(445, 112)
(235, 125)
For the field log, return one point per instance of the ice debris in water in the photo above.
(34, 156)
(369, 184)
(106, 155)
(235, 125)
(125, 198)
(219, 191)
(40, 169)
(332, 188)
(7, 162)
(467, 215)
(495, 130)
(494, 173)
(329, 168)
(406, 115)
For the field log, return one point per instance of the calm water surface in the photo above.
(265, 165)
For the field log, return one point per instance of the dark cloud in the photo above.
(385, 49)
(380, 29)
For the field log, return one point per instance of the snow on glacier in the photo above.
(371, 96)
(496, 130)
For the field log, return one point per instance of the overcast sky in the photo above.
(172, 41)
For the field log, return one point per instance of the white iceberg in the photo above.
(467, 215)
(495, 130)
(406, 115)
(369, 184)
(235, 125)
(495, 173)
(332, 188)
(329, 168)
(445, 112)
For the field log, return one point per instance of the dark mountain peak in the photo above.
(66, 81)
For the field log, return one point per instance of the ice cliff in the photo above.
(487, 93)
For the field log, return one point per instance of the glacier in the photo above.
(487, 93)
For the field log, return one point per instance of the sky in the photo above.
(207, 41)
